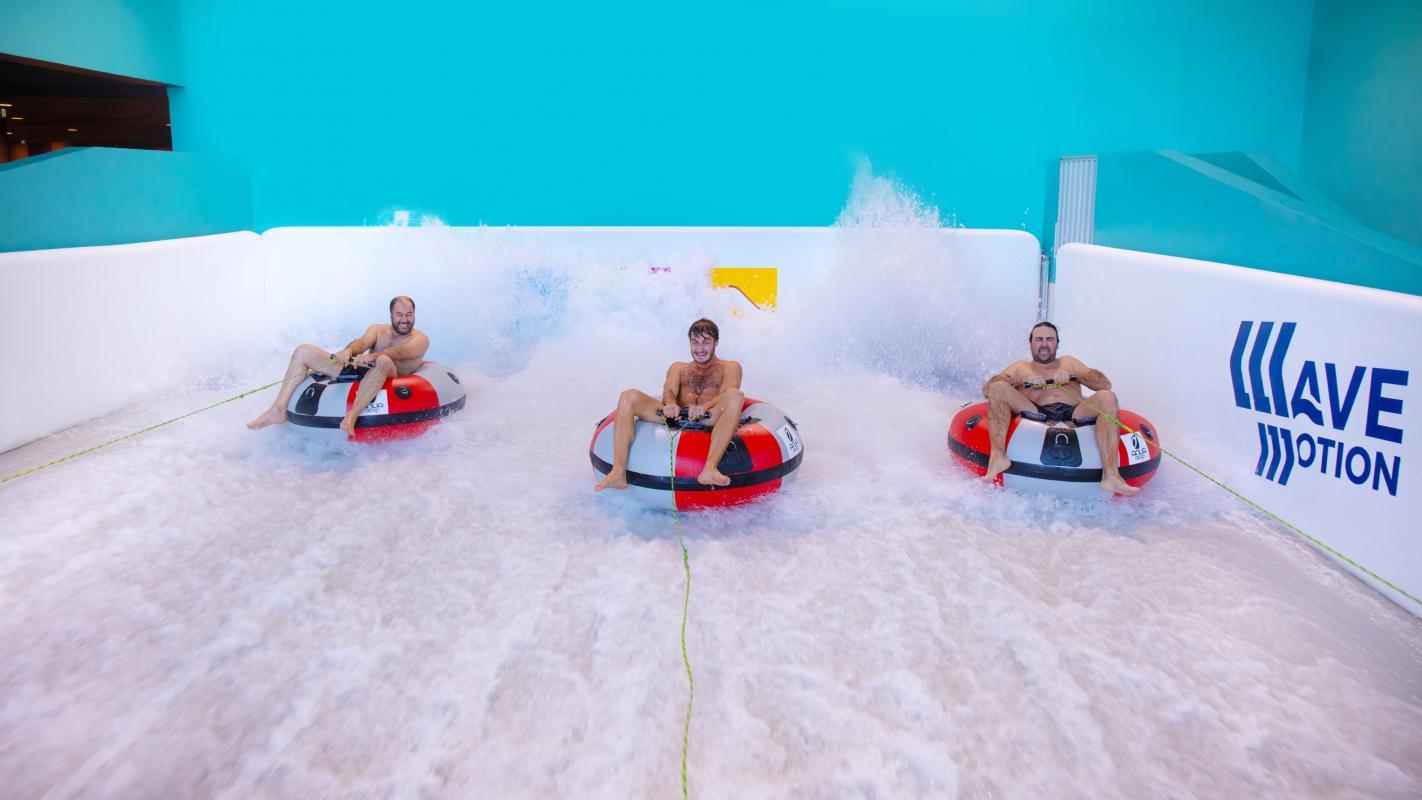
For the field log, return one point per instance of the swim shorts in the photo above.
(1057, 412)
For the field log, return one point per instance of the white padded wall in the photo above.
(1234, 365)
(96, 328)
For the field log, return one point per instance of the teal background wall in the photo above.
(738, 113)
(1362, 136)
(1244, 209)
(755, 114)
(135, 38)
(96, 195)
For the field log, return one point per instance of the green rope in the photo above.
(155, 426)
(1380, 579)
(685, 604)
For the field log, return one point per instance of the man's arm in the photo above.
(408, 350)
(1093, 379)
(1008, 376)
(358, 345)
(671, 391)
(731, 378)
(361, 343)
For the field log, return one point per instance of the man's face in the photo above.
(703, 349)
(1044, 345)
(402, 317)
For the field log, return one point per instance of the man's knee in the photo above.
(1104, 397)
(1000, 390)
(628, 398)
(732, 399)
(383, 367)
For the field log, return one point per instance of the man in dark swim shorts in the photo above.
(706, 385)
(1036, 387)
(1057, 412)
(382, 351)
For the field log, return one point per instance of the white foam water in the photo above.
(211, 612)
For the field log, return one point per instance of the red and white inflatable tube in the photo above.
(763, 455)
(1057, 457)
(406, 406)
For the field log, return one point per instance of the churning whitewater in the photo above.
(206, 611)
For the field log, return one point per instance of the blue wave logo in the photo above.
(1274, 448)
(1256, 369)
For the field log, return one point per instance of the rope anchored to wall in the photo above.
(1266, 512)
(56, 462)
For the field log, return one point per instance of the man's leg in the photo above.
(631, 406)
(305, 358)
(375, 377)
(725, 417)
(1004, 403)
(1108, 436)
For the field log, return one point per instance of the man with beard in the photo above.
(705, 385)
(1036, 385)
(382, 351)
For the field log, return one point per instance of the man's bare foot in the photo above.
(1117, 484)
(348, 425)
(712, 477)
(996, 466)
(273, 416)
(615, 479)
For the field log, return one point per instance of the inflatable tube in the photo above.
(1057, 457)
(406, 406)
(762, 456)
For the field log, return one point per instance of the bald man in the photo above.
(383, 351)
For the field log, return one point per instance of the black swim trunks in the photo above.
(1057, 412)
(351, 373)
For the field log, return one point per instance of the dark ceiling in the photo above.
(45, 101)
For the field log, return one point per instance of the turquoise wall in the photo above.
(98, 195)
(736, 113)
(1246, 210)
(136, 38)
(1362, 135)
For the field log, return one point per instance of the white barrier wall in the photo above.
(1297, 392)
(94, 329)
(117, 321)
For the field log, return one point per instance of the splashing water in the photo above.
(210, 612)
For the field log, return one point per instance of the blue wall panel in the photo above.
(136, 38)
(1177, 205)
(737, 114)
(93, 195)
(1362, 136)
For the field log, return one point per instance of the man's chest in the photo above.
(700, 382)
(385, 341)
(1041, 373)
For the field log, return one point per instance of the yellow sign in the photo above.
(760, 285)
